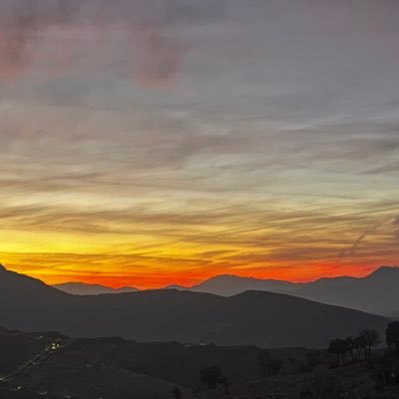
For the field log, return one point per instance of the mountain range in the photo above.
(376, 293)
(255, 317)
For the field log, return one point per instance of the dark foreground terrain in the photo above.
(53, 366)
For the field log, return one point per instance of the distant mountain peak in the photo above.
(384, 270)
(387, 269)
(80, 284)
(234, 277)
(220, 276)
(177, 287)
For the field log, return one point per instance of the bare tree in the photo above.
(360, 346)
(177, 393)
(371, 338)
(392, 336)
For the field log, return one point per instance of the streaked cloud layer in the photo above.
(171, 140)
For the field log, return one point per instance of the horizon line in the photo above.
(169, 286)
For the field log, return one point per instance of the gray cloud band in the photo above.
(23, 24)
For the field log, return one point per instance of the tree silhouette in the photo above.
(177, 393)
(371, 338)
(392, 336)
(337, 347)
(212, 376)
(350, 347)
(360, 346)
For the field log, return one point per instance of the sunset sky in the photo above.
(151, 142)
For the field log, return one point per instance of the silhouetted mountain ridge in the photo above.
(30, 285)
(259, 318)
(376, 293)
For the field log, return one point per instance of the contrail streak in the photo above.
(352, 250)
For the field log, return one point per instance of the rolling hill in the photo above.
(112, 368)
(259, 318)
(229, 285)
(91, 289)
(34, 366)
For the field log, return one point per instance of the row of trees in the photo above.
(356, 349)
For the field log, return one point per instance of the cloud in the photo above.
(153, 55)
(155, 59)
(395, 224)
(22, 23)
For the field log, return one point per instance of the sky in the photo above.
(155, 142)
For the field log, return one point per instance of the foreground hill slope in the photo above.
(54, 366)
(51, 365)
(259, 318)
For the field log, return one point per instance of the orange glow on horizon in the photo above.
(189, 279)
